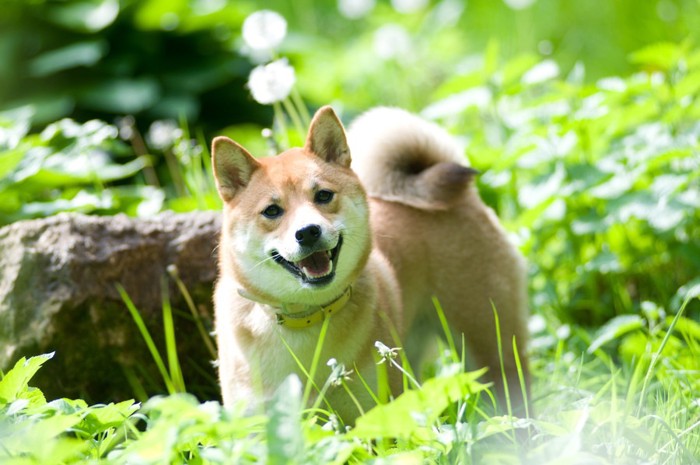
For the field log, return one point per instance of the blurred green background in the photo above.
(581, 115)
(174, 59)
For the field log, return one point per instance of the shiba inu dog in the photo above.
(362, 230)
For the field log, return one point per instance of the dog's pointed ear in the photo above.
(327, 138)
(233, 166)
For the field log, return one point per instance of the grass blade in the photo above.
(657, 354)
(170, 342)
(446, 329)
(506, 391)
(521, 378)
(136, 316)
(206, 337)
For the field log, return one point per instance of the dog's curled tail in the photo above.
(403, 158)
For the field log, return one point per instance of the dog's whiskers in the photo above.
(262, 262)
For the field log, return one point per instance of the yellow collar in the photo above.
(315, 315)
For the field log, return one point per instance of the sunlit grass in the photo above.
(587, 408)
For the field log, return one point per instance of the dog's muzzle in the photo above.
(317, 268)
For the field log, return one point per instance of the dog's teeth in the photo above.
(307, 273)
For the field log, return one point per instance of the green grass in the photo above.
(588, 409)
(599, 184)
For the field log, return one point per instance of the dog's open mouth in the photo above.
(317, 268)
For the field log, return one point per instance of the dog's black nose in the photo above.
(308, 235)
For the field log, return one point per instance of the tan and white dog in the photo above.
(312, 234)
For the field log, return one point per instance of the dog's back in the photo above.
(442, 241)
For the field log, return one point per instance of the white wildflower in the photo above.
(264, 30)
(385, 352)
(272, 82)
(537, 324)
(126, 127)
(163, 134)
(563, 332)
(355, 9)
(338, 373)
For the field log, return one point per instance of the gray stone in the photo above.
(58, 292)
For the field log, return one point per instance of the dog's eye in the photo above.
(323, 196)
(272, 211)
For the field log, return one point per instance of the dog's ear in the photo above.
(233, 167)
(327, 138)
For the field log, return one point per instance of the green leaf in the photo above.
(456, 104)
(605, 262)
(617, 185)
(689, 85)
(491, 56)
(85, 15)
(458, 84)
(514, 70)
(541, 72)
(687, 327)
(29, 165)
(590, 224)
(102, 418)
(83, 201)
(418, 409)
(41, 441)
(9, 161)
(614, 329)
(690, 290)
(544, 189)
(664, 55)
(285, 441)
(62, 169)
(583, 176)
(122, 95)
(14, 126)
(151, 14)
(71, 56)
(15, 384)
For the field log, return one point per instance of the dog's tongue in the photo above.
(316, 265)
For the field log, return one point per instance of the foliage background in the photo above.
(582, 117)
(167, 59)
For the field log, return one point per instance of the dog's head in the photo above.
(295, 226)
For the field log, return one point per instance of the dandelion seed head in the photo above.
(272, 82)
(264, 30)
